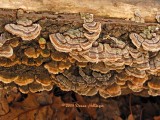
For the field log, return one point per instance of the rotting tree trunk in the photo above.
(106, 8)
(29, 56)
(39, 65)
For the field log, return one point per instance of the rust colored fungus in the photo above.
(111, 91)
(154, 86)
(57, 67)
(6, 51)
(31, 52)
(21, 29)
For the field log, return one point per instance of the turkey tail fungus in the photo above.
(59, 58)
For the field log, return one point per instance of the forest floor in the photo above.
(59, 105)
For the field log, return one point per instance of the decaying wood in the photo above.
(107, 8)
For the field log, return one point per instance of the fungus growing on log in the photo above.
(103, 52)
(6, 51)
(8, 77)
(152, 45)
(21, 29)
(137, 40)
(135, 72)
(154, 86)
(31, 52)
(57, 67)
(2, 39)
(61, 44)
(25, 79)
(111, 91)
(77, 56)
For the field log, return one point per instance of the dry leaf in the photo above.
(156, 118)
(131, 117)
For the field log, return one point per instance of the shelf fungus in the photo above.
(152, 44)
(6, 51)
(76, 39)
(111, 91)
(24, 29)
(2, 39)
(87, 82)
(154, 86)
(68, 43)
(55, 67)
(103, 52)
(94, 29)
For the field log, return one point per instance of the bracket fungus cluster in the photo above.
(74, 41)
(24, 29)
(81, 58)
(152, 44)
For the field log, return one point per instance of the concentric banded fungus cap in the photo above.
(35, 87)
(95, 54)
(6, 51)
(137, 40)
(153, 92)
(24, 89)
(25, 79)
(52, 67)
(2, 40)
(43, 79)
(59, 42)
(8, 77)
(152, 45)
(25, 32)
(24, 22)
(114, 90)
(31, 52)
(135, 88)
(100, 67)
(154, 83)
(131, 71)
(93, 27)
(89, 92)
(139, 81)
(111, 91)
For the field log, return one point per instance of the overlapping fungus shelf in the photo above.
(85, 55)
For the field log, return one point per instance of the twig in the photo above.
(141, 114)
(130, 104)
